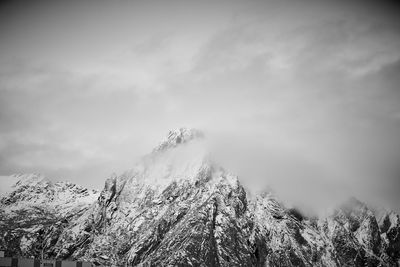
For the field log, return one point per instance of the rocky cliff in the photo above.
(177, 208)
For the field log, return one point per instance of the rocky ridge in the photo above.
(177, 208)
(35, 211)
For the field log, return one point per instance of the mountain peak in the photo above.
(18, 180)
(179, 136)
(177, 207)
(29, 179)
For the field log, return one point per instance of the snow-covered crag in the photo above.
(34, 211)
(177, 208)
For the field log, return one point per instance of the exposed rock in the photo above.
(177, 208)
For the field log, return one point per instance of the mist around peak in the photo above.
(179, 136)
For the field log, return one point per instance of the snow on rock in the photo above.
(175, 207)
(35, 210)
(9, 183)
(179, 136)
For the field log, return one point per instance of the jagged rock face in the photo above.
(177, 208)
(354, 234)
(36, 210)
(390, 232)
(179, 136)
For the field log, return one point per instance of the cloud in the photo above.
(63, 120)
(313, 85)
(355, 46)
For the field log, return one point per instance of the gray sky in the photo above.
(302, 92)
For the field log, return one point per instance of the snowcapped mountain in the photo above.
(33, 209)
(177, 208)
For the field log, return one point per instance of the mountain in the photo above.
(34, 210)
(176, 207)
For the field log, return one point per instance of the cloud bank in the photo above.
(304, 92)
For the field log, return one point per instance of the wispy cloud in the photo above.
(85, 89)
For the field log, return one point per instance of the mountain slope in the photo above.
(36, 210)
(177, 208)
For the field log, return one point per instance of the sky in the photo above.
(299, 95)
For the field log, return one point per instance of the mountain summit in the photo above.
(179, 136)
(176, 207)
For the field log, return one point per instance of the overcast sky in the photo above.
(301, 91)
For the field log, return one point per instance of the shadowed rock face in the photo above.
(176, 208)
